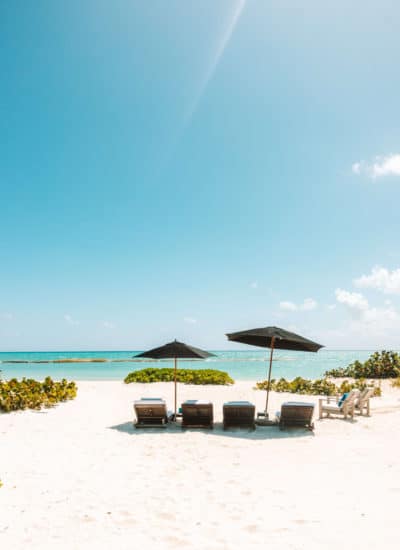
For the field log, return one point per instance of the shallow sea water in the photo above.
(250, 364)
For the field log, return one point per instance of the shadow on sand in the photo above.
(261, 432)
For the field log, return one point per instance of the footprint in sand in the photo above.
(177, 542)
(167, 516)
(88, 519)
(304, 521)
(252, 529)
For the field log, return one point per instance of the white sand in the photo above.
(80, 476)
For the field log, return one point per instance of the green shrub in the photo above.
(314, 387)
(359, 384)
(384, 364)
(396, 383)
(187, 376)
(31, 394)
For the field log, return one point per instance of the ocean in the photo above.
(250, 364)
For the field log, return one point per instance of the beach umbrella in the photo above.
(175, 350)
(273, 338)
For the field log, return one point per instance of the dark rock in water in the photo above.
(15, 361)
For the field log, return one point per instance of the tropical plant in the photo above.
(313, 387)
(186, 376)
(396, 383)
(32, 394)
(384, 364)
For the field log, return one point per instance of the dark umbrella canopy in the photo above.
(273, 337)
(283, 339)
(175, 350)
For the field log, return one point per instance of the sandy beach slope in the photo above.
(80, 476)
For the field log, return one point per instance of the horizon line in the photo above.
(255, 348)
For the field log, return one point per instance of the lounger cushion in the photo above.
(146, 402)
(151, 399)
(196, 402)
(343, 399)
(238, 404)
(298, 404)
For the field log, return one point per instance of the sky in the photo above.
(186, 169)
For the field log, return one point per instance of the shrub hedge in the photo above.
(31, 394)
(384, 364)
(187, 376)
(314, 387)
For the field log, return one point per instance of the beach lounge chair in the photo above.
(362, 401)
(344, 405)
(296, 413)
(239, 414)
(151, 412)
(197, 414)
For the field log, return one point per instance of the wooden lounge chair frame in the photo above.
(239, 414)
(296, 414)
(197, 414)
(330, 405)
(151, 413)
(362, 402)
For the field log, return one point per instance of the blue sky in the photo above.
(185, 169)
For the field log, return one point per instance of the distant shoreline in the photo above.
(236, 350)
(132, 360)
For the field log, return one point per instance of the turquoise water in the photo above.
(241, 365)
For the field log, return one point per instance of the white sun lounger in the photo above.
(151, 412)
(333, 405)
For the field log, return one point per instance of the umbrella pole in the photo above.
(269, 374)
(175, 386)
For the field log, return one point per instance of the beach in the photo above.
(81, 476)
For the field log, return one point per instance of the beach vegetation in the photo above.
(396, 382)
(32, 394)
(322, 386)
(185, 376)
(381, 364)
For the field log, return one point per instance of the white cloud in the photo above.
(307, 305)
(287, 306)
(107, 324)
(190, 320)
(254, 284)
(367, 326)
(70, 320)
(381, 279)
(381, 166)
(384, 317)
(375, 320)
(331, 307)
(352, 300)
